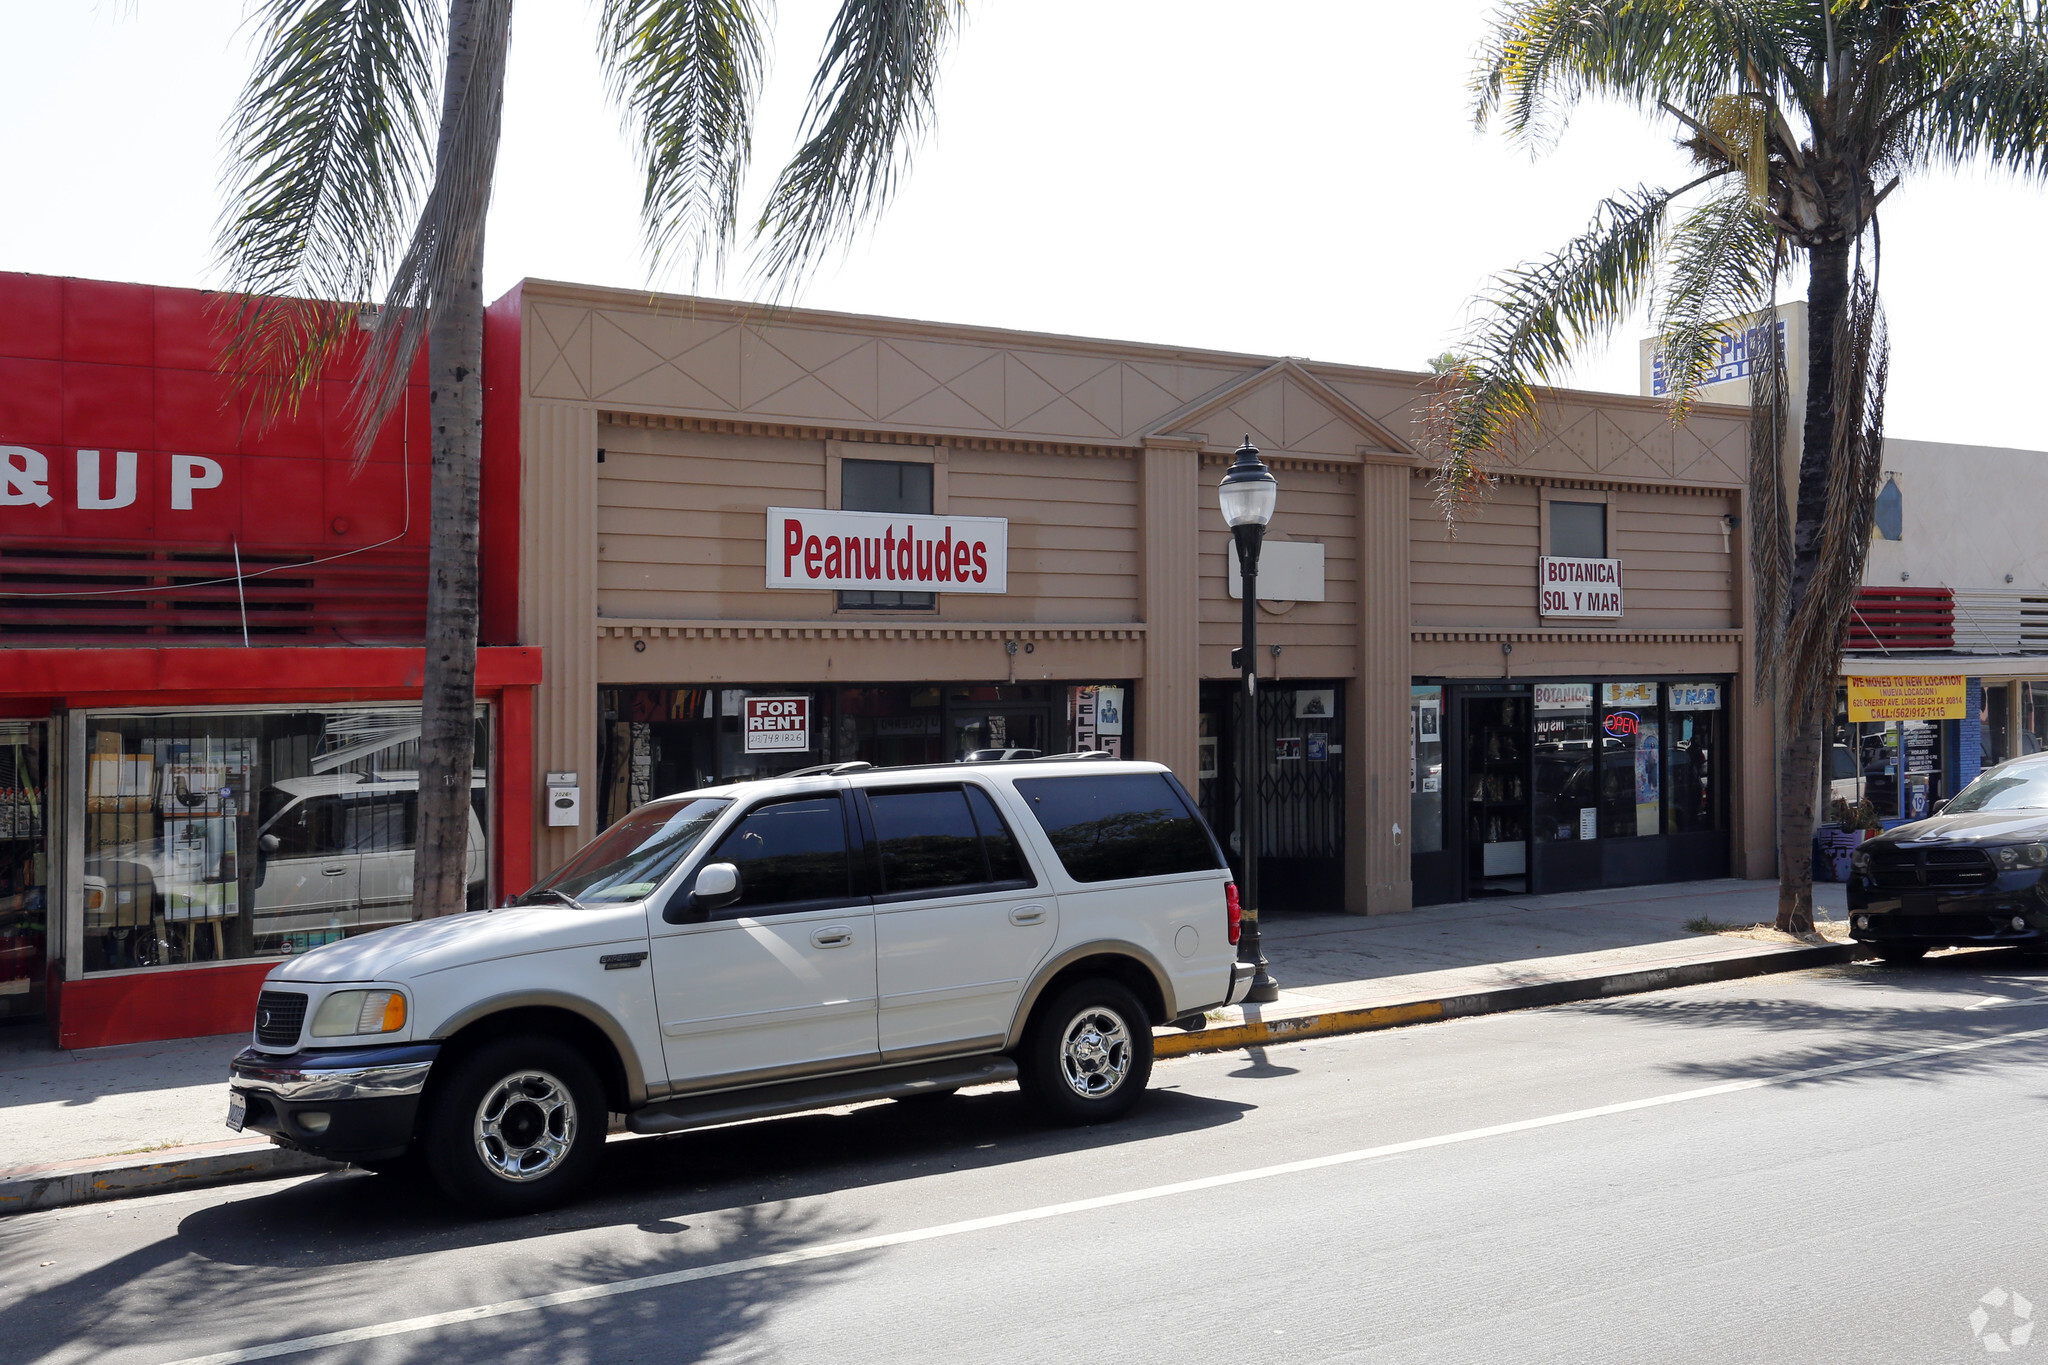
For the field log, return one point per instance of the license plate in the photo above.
(238, 1109)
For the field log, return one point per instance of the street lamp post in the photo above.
(1247, 495)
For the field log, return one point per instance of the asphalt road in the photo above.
(1834, 1165)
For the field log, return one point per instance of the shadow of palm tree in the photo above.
(351, 1248)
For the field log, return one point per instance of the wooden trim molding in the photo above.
(1595, 484)
(842, 630)
(924, 439)
(1577, 637)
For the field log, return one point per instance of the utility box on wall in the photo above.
(565, 800)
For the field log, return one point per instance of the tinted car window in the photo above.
(378, 824)
(1119, 825)
(1005, 862)
(788, 851)
(2010, 786)
(927, 839)
(309, 829)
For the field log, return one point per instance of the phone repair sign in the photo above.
(777, 724)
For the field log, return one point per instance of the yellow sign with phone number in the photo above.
(1907, 698)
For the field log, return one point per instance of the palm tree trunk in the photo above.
(1802, 718)
(455, 349)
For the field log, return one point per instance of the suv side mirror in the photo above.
(716, 886)
(1939, 807)
(269, 843)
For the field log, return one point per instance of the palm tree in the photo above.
(344, 183)
(1800, 117)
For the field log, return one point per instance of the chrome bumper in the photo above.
(340, 1074)
(1241, 974)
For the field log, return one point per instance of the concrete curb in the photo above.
(57, 1184)
(1282, 1024)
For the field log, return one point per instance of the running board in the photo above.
(794, 1097)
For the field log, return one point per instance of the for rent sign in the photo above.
(777, 724)
(808, 548)
(1580, 587)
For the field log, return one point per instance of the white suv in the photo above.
(839, 935)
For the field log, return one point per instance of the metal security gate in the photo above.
(1299, 786)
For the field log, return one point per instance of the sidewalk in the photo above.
(1343, 974)
(97, 1124)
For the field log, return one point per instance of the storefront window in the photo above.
(1567, 779)
(1879, 771)
(24, 865)
(1426, 768)
(1694, 757)
(211, 836)
(1631, 770)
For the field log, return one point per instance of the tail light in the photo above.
(1233, 910)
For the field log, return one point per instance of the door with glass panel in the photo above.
(782, 981)
(961, 921)
(25, 866)
(1495, 771)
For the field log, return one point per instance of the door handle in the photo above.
(1027, 914)
(333, 871)
(837, 936)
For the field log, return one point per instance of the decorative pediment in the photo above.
(1286, 409)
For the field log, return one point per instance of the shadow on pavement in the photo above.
(1926, 1005)
(291, 1261)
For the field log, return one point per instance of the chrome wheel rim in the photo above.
(1095, 1053)
(525, 1126)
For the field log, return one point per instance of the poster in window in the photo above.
(1205, 757)
(1694, 696)
(1287, 748)
(1315, 703)
(1629, 693)
(200, 880)
(1109, 711)
(1319, 746)
(1649, 779)
(1429, 720)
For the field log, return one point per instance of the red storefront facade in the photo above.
(210, 667)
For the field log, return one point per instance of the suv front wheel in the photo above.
(515, 1126)
(1088, 1053)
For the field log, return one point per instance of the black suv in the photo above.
(1971, 874)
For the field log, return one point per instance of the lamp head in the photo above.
(1248, 490)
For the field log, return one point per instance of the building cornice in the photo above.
(617, 629)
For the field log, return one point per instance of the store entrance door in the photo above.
(24, 867)
(1495, 796)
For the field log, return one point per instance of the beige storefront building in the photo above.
(1429, 731)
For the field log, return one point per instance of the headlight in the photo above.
(2020, 855)
(346, 1014)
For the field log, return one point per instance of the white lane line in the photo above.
(856, 1245)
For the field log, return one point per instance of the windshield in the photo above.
(629, 860)
(2011, 787)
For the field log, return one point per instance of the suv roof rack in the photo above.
(1073, 757)
(858, 765)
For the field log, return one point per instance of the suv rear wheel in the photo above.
(1088, 1053)
(515, 1126)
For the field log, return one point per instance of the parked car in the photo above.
(820, 938)
(1972, 873)
(333, 852)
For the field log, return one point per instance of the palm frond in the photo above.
(328, 147)
(1974, 91)
(871, 100)
(686, 74)
(1544, 57)
(1537, 315)
(1722, 264)
(446, 250)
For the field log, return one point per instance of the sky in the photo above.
(1309, 184)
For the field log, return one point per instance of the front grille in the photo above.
(279, 1016)
(1908, 868)
(1942, 926)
